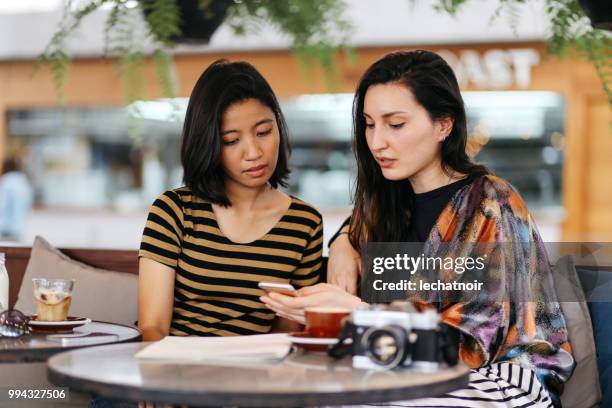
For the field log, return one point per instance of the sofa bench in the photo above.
(17, 258)
(121, 264)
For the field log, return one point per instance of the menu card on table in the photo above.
(261, 347)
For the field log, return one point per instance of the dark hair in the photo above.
(10, 164)
(222, 84)
(383, 207)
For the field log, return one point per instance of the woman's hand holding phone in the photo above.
(321, 294)
(282, 288)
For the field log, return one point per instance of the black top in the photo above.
(426, 210)
(429, 205)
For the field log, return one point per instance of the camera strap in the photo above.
(340, 349)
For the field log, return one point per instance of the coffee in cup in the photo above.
(53, 298)
(325, 322)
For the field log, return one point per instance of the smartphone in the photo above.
(284, 288)
(83, 339)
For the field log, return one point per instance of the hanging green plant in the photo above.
(316, 31)
(570, 30)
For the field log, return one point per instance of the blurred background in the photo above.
(540, 122)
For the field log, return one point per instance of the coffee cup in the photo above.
(53, 298)
(325, 322)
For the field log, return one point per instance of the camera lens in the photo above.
(386, 346)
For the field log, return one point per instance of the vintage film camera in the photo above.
(385, 337)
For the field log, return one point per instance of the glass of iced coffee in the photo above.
(53, 297)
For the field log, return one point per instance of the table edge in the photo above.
(43, 354)
(254, 399)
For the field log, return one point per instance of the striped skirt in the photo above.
(500, 385)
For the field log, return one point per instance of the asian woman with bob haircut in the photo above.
(208, 244)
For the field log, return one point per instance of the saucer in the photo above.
(67, 325)
(303, 340)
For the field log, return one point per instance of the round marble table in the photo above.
(35, 347)
(300, 379)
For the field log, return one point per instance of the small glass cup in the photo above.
(53, 298)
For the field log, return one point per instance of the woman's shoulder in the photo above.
(303, 209)
(181, 198)
(493, 186)
(182, 194)
(497, 194)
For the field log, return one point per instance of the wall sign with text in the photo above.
(494, 68)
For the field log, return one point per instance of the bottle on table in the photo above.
(4, 285)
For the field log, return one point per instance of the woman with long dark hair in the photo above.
(206, 245)
(415, 183)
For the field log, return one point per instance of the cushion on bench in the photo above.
(597, 285)
(98, 294)
(582, 389)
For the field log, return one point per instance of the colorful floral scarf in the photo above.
(516, 317)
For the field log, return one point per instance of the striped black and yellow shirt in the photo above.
(216, 292)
